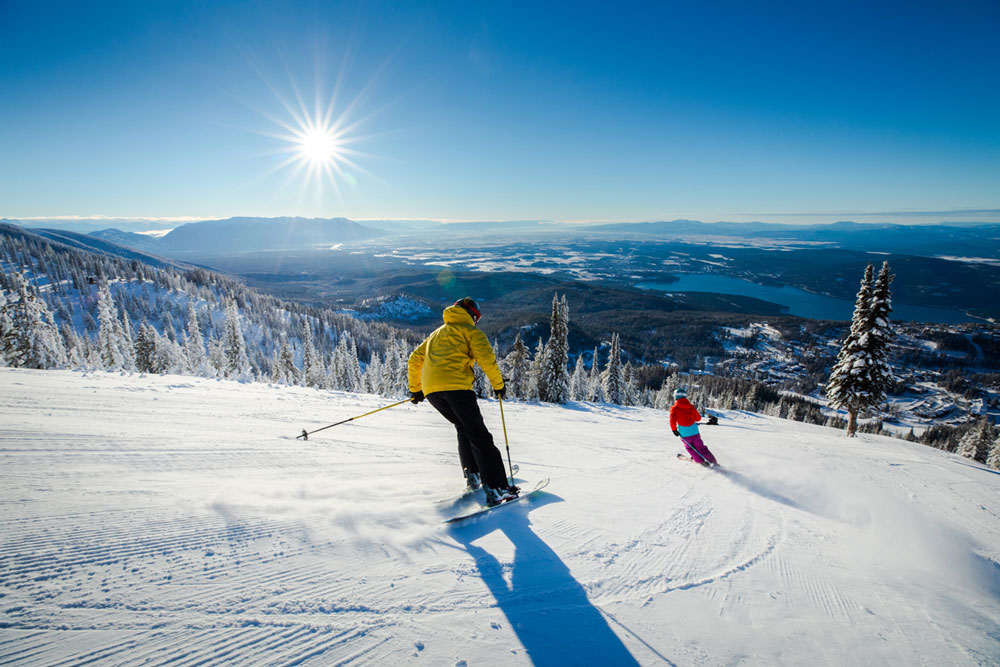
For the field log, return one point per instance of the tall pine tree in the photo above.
(849, 384)
(880, 336)
(613, 378)
(595, 392)
(235, 347)
(553, 386)
(516, 368)
(110, 338)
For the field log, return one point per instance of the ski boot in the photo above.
(472, 481)
(500, 495)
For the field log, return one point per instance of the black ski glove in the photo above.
(416, 396)
(677, 433)
(501, 393)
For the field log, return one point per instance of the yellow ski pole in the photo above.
(305, 435)
(505, 441)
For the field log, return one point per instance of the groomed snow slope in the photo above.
(177, 520)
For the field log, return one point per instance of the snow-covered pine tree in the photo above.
(373, 375)
(993, 458)
(665, 396)
(277, 377)
(516, 369)
(313, 370)
(285, 370)
(880, 336)
(6, 325)
(74, 354)
(217, 356)
(553, 385)
(613, 377)
(169, 356)
(578, 382)
(145, 349)
(128, 348)
(345, 369)
(631, 391)
(595, 392)
(355, 383)
(29, 337)
(849, 385)
(237, 365)
(194, 344)
(977, 441)
(110, 337)
(535, 373)
(480, 383)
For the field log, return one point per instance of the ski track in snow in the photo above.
(178, 521)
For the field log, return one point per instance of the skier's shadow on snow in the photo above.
(544, 604)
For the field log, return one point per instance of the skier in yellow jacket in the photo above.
(440, 370)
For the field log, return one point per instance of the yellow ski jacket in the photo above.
(443, 362)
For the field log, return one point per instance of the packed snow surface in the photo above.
(177, 520)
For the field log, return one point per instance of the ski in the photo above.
(542, 483)
(467, 493)
(704, 464)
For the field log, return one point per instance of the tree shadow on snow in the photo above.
(544, 604)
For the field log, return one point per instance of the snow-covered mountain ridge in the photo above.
(164, 518)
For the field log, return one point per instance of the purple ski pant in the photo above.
(697, 449)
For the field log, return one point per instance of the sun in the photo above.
(319, 146)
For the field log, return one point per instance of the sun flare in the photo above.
(317, 139)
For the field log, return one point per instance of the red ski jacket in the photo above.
(683, 414)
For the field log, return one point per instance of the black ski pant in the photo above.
(476, 451)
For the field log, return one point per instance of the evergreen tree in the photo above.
(880, 336)
(480, 383)
(578, 382)
(110, 337)
(993, 459)
(168, 356)
(237, 365)
(516, 369)
(613, 378)
(277, 377)
(313, 371)
(74, 352)
(977, 441)
(145, 349)
(128, 345)
(217, 356)
(665, 396)
(631, 392)
(284, 370)
(595, 392)
(29, 337)
(345, 369)
(535, 376)
(194, 344)
(553, 385)
(849, 383)
(373, 375)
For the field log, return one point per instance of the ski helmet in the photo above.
(680, 392)
(470, 305)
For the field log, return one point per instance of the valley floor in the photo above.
(177, 520)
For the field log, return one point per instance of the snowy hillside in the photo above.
(166, 518)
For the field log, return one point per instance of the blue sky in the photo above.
(783, 111)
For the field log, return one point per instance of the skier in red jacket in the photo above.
(684, 423)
